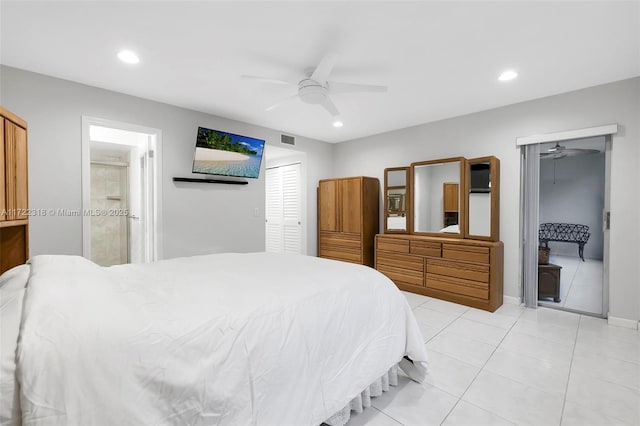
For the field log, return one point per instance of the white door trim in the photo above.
(608, 129)
(88, 121)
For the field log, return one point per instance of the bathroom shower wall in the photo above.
(109, 239)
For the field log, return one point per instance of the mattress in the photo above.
(221, 339)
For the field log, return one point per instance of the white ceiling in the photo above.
(439, 59)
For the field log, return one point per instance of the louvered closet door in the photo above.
(283, 210)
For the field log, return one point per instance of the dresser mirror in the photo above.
(438, 202)
(396, 199)
(482, 184)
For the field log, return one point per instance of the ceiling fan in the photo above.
(560, 151)
(316, 87)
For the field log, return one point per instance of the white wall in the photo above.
(494, 132)
(576, 196)
(197, 218)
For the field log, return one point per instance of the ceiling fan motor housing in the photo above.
(312, 92)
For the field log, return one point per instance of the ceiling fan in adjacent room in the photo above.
(316, 87)
(560, 151)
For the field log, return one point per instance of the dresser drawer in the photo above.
(458, 286)
(402, 275)
(337, 253)
(464, 270)
(395, 245)
(332, 239)
(425, 248)
(465, 252)
(404, 261)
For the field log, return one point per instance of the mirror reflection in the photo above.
(480, 199)
(396, 196)
(436, 205)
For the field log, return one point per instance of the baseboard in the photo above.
(511, 300)
(622, 322)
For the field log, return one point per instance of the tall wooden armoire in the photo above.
(14, 199)
(348, 218)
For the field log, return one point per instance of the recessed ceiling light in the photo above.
(338, 123)
(508, 75)
(128, 57)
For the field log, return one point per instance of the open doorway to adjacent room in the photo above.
(572, 205)
(285, 201)
(565, 203)
(120, 192)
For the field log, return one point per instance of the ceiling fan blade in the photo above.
(267, 80)
(282, 101)
(330, 106)
(322, 71)
(337, 87)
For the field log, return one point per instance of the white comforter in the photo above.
(225, 339)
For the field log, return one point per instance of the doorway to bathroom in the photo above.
(120, 192)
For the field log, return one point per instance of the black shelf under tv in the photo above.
(210, 180)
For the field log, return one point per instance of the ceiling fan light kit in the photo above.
(558, 151)
(316, 88)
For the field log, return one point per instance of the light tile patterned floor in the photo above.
(580, 284)
(515, 366)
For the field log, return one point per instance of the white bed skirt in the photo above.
(363, 399)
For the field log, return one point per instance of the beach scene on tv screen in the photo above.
(221, 153)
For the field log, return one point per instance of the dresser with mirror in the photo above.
(441, 230)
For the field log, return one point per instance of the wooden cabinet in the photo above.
(348, 210)
(14, 221)
(450, 203)
(464, 271)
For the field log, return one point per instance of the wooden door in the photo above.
(328, 205)
(16, 170)
(351, 209)
(2, 181)
(450, 197)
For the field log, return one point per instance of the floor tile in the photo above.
(547, 376)
(450, 374)
(510, 310)
(477, 331)
(414, 299)
(462, 348)
(514, 401)
(446, 307)
(496, 319)
(610, 369)
(625, 350)
(465, 414)
(599, 328)
(580, 415)
(610, 399)
(537, 347)
(371, 417)
(416, 404)
(560, 334)
(551, 316)
(433, 318)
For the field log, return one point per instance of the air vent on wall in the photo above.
(289, 140)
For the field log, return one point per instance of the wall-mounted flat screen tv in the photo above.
(227, 154)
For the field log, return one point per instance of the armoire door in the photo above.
(16, 170)
(2, 182)
(328, 205)
(351, 205)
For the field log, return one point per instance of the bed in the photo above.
(225, 339)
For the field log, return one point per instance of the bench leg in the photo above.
(581, 251)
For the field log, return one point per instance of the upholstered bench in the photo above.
(564, 233)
